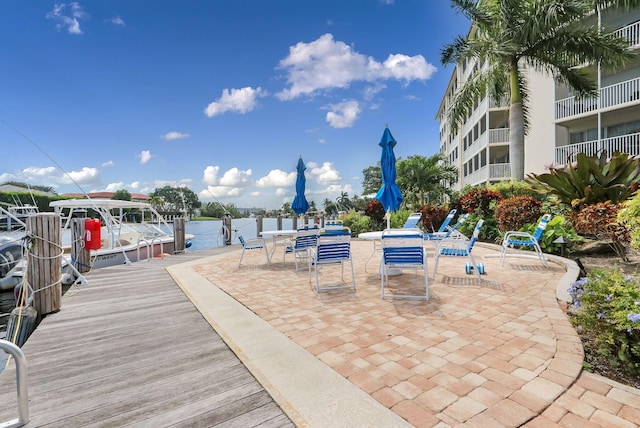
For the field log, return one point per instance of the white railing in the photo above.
(499, 170)
(499, 135)
(610, 96)
(476, 177)
(629, 144)
(631, 32)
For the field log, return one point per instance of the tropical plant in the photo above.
(433, 216)
(489, 231)
(601, 220)
(509, 37)
(606, 309)
(629, 217)
(557, 227)
(371, 179)
(480, 200)
(592, 179)
(508, 189)
(121, 195)
(513, 213)
(177, 199)
(375, 212)
(425, 180)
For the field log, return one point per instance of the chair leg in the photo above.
(266, 251)
(241, 256)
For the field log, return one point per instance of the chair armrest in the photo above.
(510, 235)
(453, 242)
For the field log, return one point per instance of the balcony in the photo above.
(624, 144)
(610, 96)
(499, 135)
(491, 172)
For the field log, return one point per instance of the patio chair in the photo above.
(458, 247)
(402, 249)
(304, 239)
(412, 221)
(445, 224)
(436, 237)
(516, 239)
(333, 247)
(253, 244)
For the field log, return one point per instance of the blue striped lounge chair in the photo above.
(438, 236)
(253, 244)
(458, 247)
(412, 221)
(402, 249)
(303, 240)
(516, 239)
(333, 247)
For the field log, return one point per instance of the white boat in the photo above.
(131, 231)
(14, 216)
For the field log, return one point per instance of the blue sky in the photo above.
(221, 96)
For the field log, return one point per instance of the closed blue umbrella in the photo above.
(389, 194)
(300, 204)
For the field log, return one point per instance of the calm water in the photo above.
(207, 233)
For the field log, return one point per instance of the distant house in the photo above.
(135, 197)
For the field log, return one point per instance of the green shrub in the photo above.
(511, 188)
(398, 218)
(489, 231)
(606, 308)
(517, 211)
(356, 222)
(558, 226)
(629, 217)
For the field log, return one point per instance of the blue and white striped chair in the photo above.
(303, 240)
(515, 239)
(253, 244)
(458, 247)
(333, 247)
(402, 249)
(412, 221)
(438, 236)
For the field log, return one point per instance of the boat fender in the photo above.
(188, 244)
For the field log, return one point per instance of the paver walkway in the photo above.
(492, 352)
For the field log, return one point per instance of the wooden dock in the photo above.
(131, 349)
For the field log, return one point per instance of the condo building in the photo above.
(560, 125)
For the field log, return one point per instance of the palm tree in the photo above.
(546, 36)
(424, 179)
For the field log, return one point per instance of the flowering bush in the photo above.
(606, 306)
(516, 211)
(480, 200)
(375, 212)
(433, 216)
(601, 219)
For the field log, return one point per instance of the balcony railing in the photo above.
(499, 135)
(610, 96)
(629, 144)
(631, 32)
(499, 170)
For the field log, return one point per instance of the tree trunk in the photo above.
(516, 141)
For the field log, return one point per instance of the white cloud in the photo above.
(107, 164)
(67, 15)
(277, 178)
(174, 135)
(210, 177)
(220, 192)
(326, 174)
(236, 178)
(116, 20)
(326, 64)
(238, 100)
(86, 176)
(343, 115)
(145, 156)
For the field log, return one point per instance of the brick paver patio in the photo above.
(493, 352)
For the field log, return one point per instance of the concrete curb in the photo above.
(308, 391)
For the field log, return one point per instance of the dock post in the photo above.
(294, 222)
(259, 220)
(44, 262)
(179, 244)
(226, 222)
(279, 222)
(80, 255)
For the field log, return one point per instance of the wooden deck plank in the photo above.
(130, 348)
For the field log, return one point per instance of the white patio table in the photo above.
(275, 234)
